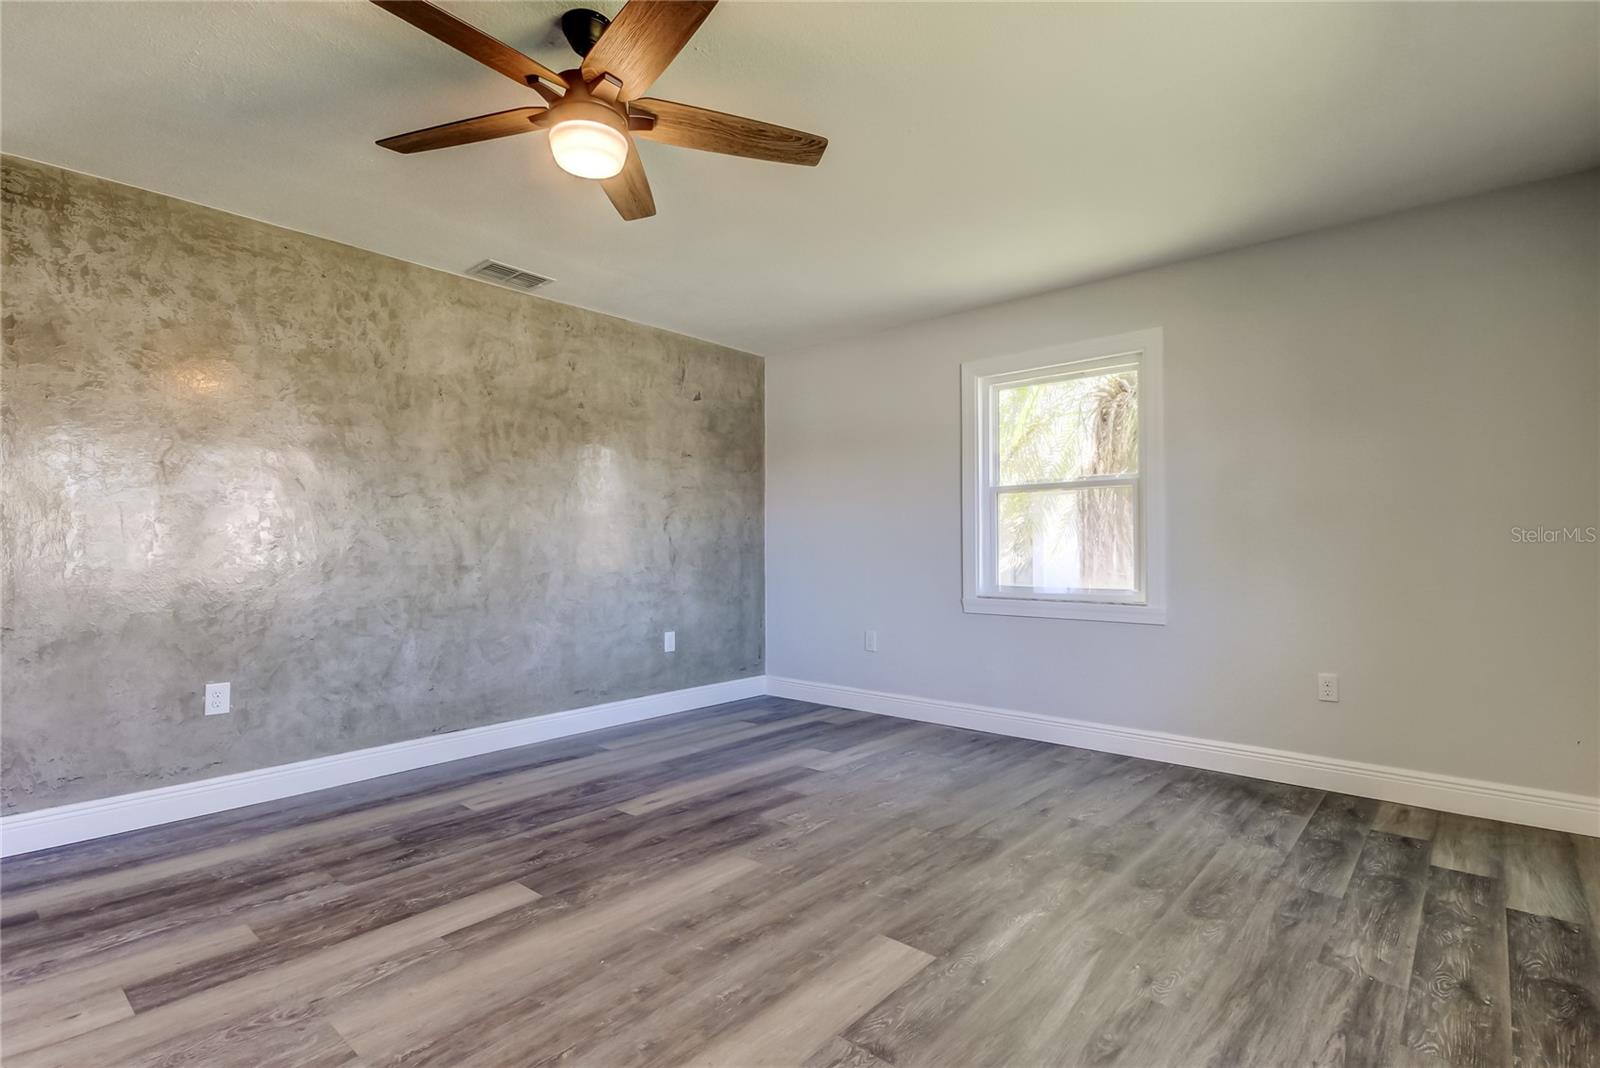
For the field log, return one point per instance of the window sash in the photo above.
(1077, 483)
(1126, 361)
(991, 586)
(989, 581)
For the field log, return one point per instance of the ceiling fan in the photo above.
(597, 109)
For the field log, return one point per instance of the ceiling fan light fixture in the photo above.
(590, 120)
(588, 149)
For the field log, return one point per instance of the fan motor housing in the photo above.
(582, 27)
(580, 102)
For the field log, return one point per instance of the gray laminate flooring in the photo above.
(775, 883)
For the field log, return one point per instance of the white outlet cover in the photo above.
(219, 698)
(869, 641)
(669, 641)
(1327, 686)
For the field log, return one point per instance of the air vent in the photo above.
(511, 277)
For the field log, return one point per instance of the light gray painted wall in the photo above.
(382, 501)
(1356, 420)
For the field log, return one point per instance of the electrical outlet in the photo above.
(869, 641)
(219, 698)
(669, 641)
(1327, 686)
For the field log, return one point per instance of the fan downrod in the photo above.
(582, 28)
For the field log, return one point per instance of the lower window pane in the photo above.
(1062, 540)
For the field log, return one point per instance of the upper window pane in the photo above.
(1064, 429)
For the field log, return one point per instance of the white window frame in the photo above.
(980, 469)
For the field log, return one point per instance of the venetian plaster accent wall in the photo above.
(382, 501)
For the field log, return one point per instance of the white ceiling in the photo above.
(979, 151)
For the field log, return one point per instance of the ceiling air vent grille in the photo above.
(502, 274)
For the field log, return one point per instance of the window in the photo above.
(1062, 491)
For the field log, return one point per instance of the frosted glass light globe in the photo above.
(588, 149)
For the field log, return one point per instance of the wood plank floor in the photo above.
(776, 883)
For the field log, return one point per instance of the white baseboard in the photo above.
(1471, 797)
(30, 831)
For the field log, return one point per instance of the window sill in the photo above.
(1047, 609)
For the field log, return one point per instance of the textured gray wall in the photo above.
(382, 501)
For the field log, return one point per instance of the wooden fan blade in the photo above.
(630, 190)
(466, 131)
(712, 131)
(464, 37)
(642, 40)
